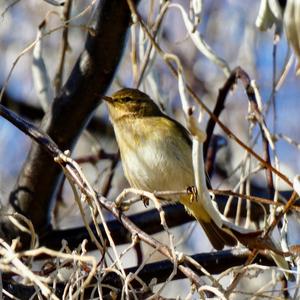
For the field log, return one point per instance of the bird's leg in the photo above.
(193, 193)
(145, 200)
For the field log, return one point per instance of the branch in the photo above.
(75, 176)
(175, 215)
(71, 110)
(64, 47)
(183, 264)
(22, 107)
(190, 91)
(239, 73)
(31, 112)
(150, 220)
(245, 79)
(220, 105)
(213, 262)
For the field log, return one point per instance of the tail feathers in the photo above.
(217, 236)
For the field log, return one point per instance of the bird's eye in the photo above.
(126, 99)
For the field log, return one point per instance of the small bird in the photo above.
(156, 154)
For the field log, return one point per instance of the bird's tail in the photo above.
(219, 237)
(216, 235)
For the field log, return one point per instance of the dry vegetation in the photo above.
(70, 226)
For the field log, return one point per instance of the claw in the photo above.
(192, 190)
(145, 201)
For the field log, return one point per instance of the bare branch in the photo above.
(64, 47)
(72, 108)
(214, 263)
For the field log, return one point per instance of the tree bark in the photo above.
(71, 110)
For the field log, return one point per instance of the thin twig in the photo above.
(244, 77)
(203, 105)
(219, 106)
(58, 78)
(155, 30)
(266, 234)
(253, 198)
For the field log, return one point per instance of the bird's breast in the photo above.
(156, 160)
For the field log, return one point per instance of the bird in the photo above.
(156, 155)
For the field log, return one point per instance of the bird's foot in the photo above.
(192, 191)
(145, 200)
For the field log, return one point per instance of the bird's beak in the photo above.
(108, 99)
